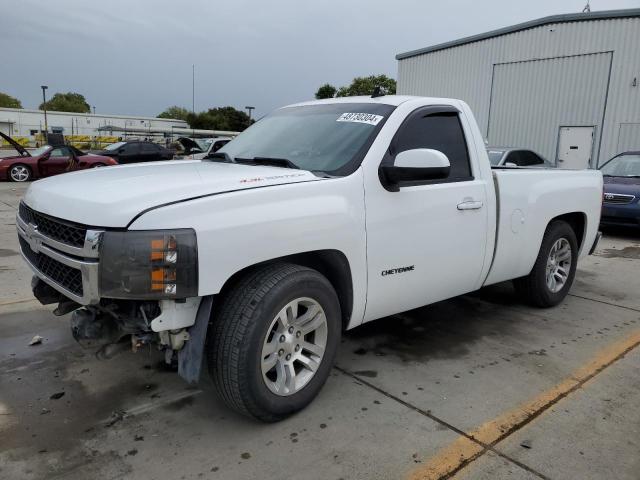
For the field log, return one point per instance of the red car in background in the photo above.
(47, 161)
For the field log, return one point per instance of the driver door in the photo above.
(59, 160)
(426, 241)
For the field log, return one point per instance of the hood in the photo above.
(21, 150)
(113, 196)
(625, 185)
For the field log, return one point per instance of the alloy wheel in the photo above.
(19, 173)
(558, 265)
(294, 346)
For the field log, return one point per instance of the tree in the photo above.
(326, 91)
(7, 101)
(67, 102)
(221, 118)
(176, 112)
(366, 85)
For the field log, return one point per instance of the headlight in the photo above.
(149, 264)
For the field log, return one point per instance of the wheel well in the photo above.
(333, 264)
(577, 221)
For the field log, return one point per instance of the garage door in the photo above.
(531, 100)
(628, 138)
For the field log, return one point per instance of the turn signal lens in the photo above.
(149, 264)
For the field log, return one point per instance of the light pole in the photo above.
(44, 107)
(249, 112)
(94, 109)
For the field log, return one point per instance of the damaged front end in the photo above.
(125, 289)
(113, 326)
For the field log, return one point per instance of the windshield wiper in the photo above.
(275, 162)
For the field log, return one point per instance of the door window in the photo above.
(60, 152)
(524, 158)
(149, 148)
(440, 131)
(131, 148)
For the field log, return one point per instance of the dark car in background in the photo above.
(621, 195)
(46, 161)
(516, 157)
(136, 151)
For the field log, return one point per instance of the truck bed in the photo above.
(527, 200)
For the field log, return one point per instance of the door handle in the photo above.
(470, 205)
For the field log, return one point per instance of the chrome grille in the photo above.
(68, 277)
(54, 228)
(617, 198)
(61, 253)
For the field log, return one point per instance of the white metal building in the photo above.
(28, 123)
(567, 86)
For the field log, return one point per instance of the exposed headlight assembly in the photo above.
(149, 264)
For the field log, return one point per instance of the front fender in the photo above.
(238, 229)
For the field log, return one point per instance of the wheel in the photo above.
(552, 275)
(20, 173)
(271, 347)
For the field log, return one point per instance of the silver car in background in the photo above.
(516, 157)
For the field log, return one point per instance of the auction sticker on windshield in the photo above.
(369, 118)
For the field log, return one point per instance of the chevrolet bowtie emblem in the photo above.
(32, 234)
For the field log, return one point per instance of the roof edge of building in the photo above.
(96, 115)
(562, 18)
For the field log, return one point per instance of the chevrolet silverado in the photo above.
(320, 217)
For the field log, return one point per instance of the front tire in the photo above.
(20, 173)
(552, 275)
(272, 344)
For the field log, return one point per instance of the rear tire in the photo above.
(264, 359)
(20, 173)
(552, 275)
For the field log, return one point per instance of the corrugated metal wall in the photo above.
(467, 72)
(629, 137)
(531, 100)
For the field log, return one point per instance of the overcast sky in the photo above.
(134, 56)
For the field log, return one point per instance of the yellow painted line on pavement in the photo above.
(465, 449)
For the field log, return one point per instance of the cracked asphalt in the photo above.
(478, 387)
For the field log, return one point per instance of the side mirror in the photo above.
(415, 165)
(120, 151)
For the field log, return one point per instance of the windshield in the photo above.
(324, 137)
(39, 151)
(495, 156)
(623, 166)
(203, 143)
(114, 146)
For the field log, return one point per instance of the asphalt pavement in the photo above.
(477, 387)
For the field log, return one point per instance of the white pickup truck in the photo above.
(320, 217)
